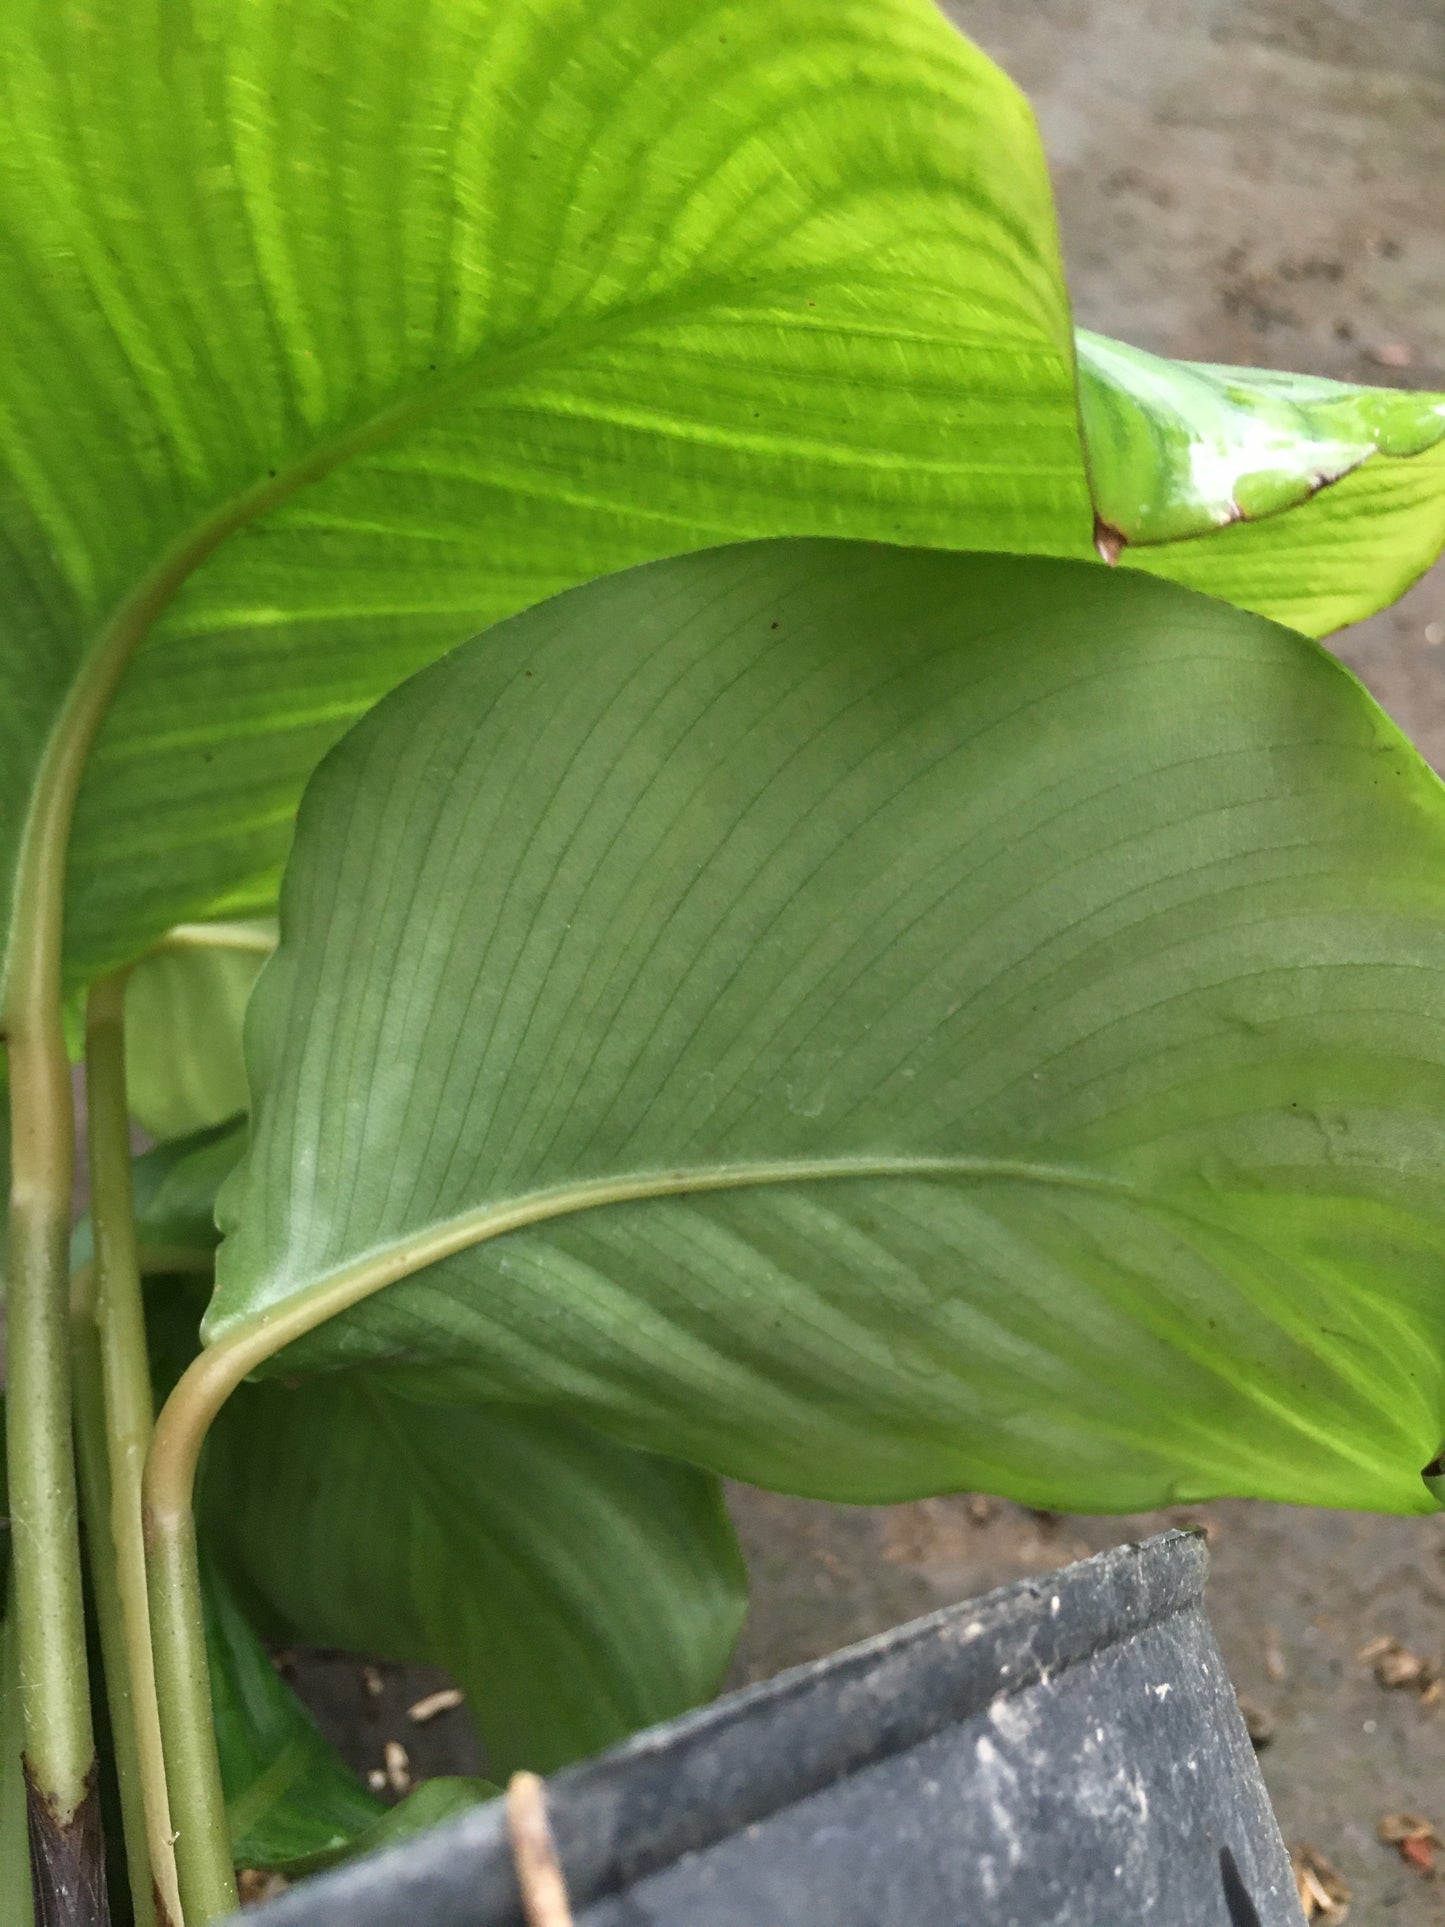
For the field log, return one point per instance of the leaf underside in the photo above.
(576, 1589)
(1043, 962)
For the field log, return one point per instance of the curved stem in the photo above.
(117, 1344)
(183, 1686)
(206, 1384)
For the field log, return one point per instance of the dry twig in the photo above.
(534, 1851)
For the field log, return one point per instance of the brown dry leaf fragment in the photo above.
(1274, 1664)
(540, 1880)
(981, 1508)
(441, 1701)
(1395, 1827)
(1396, 1667)
(1323, 1891)
(398, 1767)
(254, 1884)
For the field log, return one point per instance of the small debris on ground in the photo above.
(1397, 1668)
(1392, 354)
(1323, 1891)
(371, 1682)
(1435, 634)
(442, 1701)
(1258, 1723)
(254, 1884)
(398, 1767)
(284, 1662)
(1413, 1838)
(376, 1779)
(1274, 1663)
(981, 1508)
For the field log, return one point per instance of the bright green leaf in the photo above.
(575, 1589)
(1177, 448)
(334, 331)
(184, 1006)
(291, 1801)
(1337, 558)
(1025, 980)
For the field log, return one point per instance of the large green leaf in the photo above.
(184, 1006)
(333, 331)
(576, 1589)
(1025, 981)
(292, 1802)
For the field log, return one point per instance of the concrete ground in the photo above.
(1261, 182)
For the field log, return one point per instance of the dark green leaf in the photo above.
(574, 1588)
(427, 1806)
(1026, 981)
(291, 1801)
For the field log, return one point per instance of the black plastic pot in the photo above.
(1062, 1753)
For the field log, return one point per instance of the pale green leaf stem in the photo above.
(115, 1415)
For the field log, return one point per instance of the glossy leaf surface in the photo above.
(184, 1007)
(574, 1588)
(1024, 980)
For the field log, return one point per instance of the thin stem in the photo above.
(117, 1344)
(258, 938)
(183, 1685)
(95, 1499)
(209, 1380)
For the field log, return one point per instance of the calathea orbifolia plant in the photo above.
(899, 1008)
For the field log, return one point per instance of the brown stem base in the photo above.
(67, 1860)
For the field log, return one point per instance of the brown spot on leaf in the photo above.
(1109, 541)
